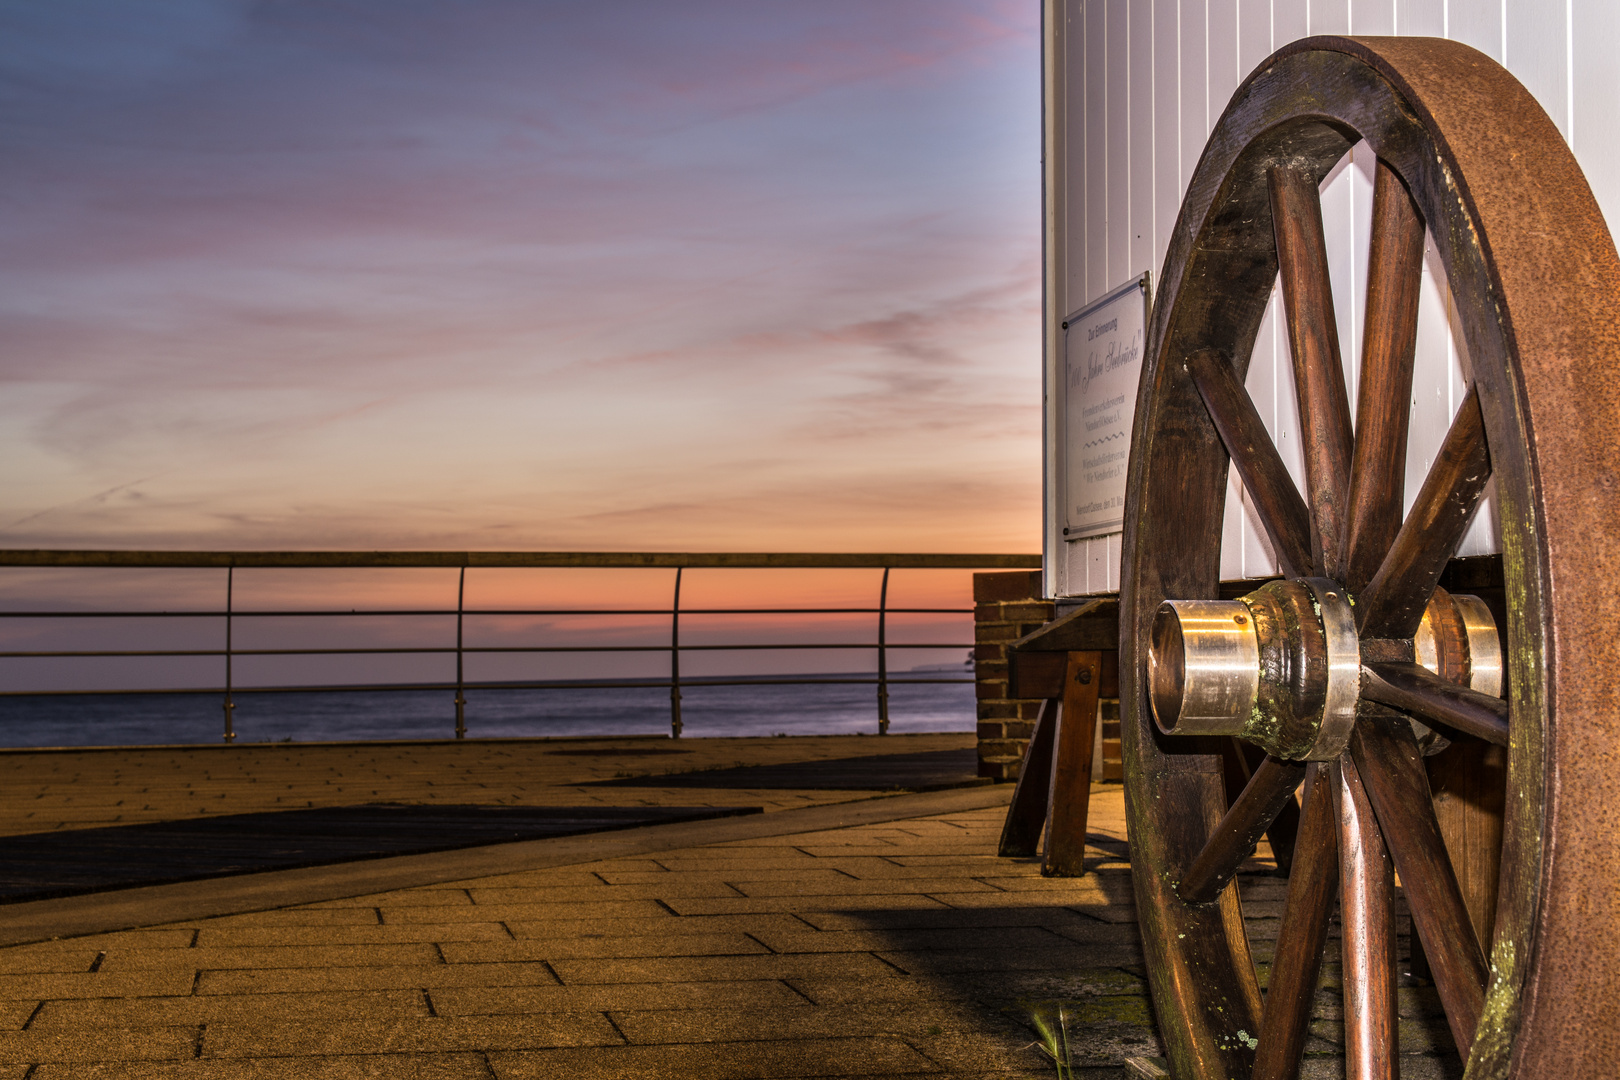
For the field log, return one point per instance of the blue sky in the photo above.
(703, 276)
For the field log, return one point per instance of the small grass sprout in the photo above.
(1054, 1036)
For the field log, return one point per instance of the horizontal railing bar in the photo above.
(426, 650)
(512, 559)
(448, 612)
(389, 687)
(356, 560)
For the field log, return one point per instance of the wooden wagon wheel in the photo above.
(1317, 668)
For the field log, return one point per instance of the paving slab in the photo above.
(858, 966)
(196, 1010)
(908, 1020)
(664, 927)
(96, 984)
(325, 957)
(99, 1043)
(708, 996)
(368, 1067)
(886, 901)
(805, 940)
(602, 947)
(431, 1034)
(858, 1056)
(369, 933)
(427, 977)
(14, 1014)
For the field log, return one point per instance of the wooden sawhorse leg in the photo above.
(1070, 799)
(1054, 784)
(1026, 815)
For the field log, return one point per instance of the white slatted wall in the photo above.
(1133, 88)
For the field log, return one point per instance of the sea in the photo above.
(821, 706)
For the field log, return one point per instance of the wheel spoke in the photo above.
(1313, 335)
(1383, 408)
(1285, 827)
(1392, 604)
(1300, 940)
(1263, 797)
(1281, 511)
(1422, 693)
(1366, 916)
(1387, 754)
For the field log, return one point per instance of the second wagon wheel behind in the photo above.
(1318, 669)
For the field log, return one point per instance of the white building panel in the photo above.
(1133, 89)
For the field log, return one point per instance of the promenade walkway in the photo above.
(837, 934)
(125, 786)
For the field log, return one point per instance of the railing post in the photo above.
(883, 655)
(461, 696)
(675, 660)
(230, 705)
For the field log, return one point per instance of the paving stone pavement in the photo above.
(896, 946)
(900, 948)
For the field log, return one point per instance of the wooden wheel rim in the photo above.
(1536, 278)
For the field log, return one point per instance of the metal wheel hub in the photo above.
(1281, 667)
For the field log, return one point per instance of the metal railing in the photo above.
(231, 561)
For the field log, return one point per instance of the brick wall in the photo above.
(1112, 768)
(1006, 606)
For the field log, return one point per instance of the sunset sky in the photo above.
(518, 274)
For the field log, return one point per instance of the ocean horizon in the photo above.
(627, 707)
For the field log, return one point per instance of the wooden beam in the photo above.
(1070, 799)
(1026, 814)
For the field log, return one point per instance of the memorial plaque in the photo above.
(1101, 365)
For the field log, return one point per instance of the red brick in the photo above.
(991, 671)
(1006, 585)
(989, 653)
(1035, 610)
(994, 748)
(1003, 768)
(992, 729)
(985, 689)
(986, 633)
(998, 710)
(1019, 729)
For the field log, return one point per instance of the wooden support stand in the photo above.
(1070, 663)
